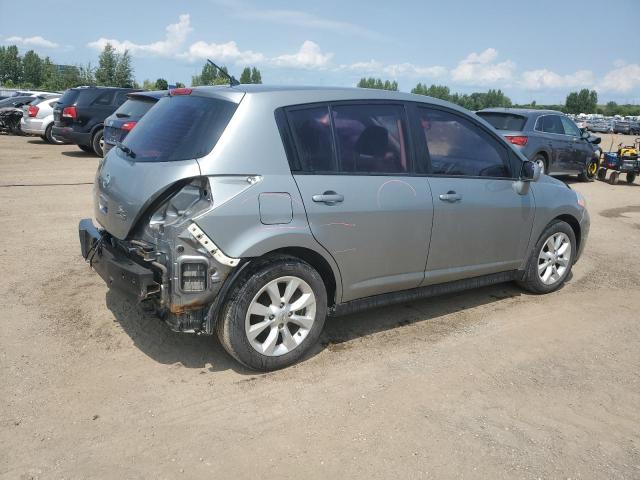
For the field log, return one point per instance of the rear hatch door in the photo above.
(160, 151)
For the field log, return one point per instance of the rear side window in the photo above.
(69, 97)
(134, 108)
(371, 138)
(504, 121)
(458, 147)
(179, 128)
(105, 98)
(351, 138)
(312, 134)
(550, 124)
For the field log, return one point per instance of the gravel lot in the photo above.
(493, 383)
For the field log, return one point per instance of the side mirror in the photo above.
(585, 134)
(530, 172)
(595, 140)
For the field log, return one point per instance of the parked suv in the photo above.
(549, 138)
(253, 212)
(80, 113)
(124, 119)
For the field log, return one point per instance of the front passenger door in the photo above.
(581, 151)
(481, 225)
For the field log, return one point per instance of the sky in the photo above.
(535, 50)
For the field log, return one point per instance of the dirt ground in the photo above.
(493, 383)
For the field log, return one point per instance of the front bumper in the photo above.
(113, 266)
(72, 136)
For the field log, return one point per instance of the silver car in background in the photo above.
(37, 119)
(253, 212)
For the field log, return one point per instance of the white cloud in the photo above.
(297, 18)
(174, 39)
(374, 67)
(481, 69)
(222, 52)
(36, 41)
(308, 56)
(622, 79)
(546, 79)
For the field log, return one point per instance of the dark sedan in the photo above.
(124, 119)
(547, 137)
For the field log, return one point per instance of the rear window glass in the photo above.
(178, 128)
(504, 121)
(69, 97)
(134, 108)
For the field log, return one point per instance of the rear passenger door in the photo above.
(480, 224)
(363, 204)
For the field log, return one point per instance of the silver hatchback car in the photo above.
(254, 212)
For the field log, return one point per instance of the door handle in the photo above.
(450, 196)
(329, 197)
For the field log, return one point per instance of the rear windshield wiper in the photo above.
(126, 150)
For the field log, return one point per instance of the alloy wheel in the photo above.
(554, 258)
(280, 316)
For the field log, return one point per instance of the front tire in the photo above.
(86, 148)
(551, 260)
(589, 175)
(542, 162)
(274, 314)
(631, 177)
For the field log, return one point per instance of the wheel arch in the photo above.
(329, 277)
(575, 226)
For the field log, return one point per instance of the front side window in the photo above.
(370, 138)
(459, 147)
(312, 134)
(569, 127)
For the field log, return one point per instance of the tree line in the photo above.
(583, 101)
(113, 70)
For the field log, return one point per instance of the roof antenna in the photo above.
(232, 80)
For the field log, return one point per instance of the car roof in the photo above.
(285, 95)
(520, 111)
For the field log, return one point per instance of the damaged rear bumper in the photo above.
(113, 266)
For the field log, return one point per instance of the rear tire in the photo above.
(613, 179)
(275, 336)
(86, 148)
(48, 136)
(544, 260)
(97, 143)
(602, 173)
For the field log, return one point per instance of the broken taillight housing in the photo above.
(33, 110)
(193, 277)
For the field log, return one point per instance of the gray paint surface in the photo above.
(390, 232)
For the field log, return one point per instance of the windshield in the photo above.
(504, 121)
(178, 128)
(135, 107)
